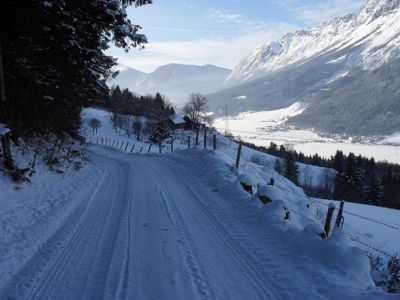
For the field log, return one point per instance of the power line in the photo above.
(344, 211)
(226, 120)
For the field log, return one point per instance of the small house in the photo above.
(177, 122)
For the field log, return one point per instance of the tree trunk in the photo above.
(5, 139)
(2, 88)
(8, 161)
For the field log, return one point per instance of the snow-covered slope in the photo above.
(346, 70)
(176, 81)
(375, 28)
(127, 77)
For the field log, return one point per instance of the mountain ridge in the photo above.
(306, 43)
(176, 81)
(317, 66)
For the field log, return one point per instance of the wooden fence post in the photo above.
(238, 156)
(141, 149)
(339, 218)
(197, 136)
(102, 141)
(205, 137)
(127, 144)
(113, 143)
(327, 227)
(159, 148)
(122, 144)
(148, 150)
(116, 146)
(97, 141)
(172, 145)
(214, 142)
(133, 147)
(189, 141)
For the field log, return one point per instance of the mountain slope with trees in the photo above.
(346, 70)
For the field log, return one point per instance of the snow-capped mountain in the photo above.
(375, 28)
(345, 70)
(176, 81)
(127, 77)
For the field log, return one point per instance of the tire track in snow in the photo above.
(196, 273)
(87, 239)
(123, 286)
(258, 278)
(24, 280)
(245, 261)
(58, 268)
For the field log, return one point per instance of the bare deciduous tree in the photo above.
(137, 127)
(94, 124)
(196, 109)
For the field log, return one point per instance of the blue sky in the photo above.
(220, 32)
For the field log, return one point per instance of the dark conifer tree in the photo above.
(291, 169)
(273, 149)
(374, 189)
(54, 61)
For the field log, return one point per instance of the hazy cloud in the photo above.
(224, 52)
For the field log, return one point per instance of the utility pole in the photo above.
(226, 120)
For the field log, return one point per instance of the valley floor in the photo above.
(264, 127)
(151, 229)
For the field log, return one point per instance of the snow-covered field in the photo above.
(262, 128)
(180, 226)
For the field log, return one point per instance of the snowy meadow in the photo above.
(262, 128)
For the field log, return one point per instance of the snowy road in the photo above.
(149, 231)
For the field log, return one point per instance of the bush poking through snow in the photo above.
(257, 159)
(268, 193)
(388, 278)
(376, 262)
(248, 188)
(393, 268)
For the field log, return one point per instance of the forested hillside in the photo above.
(53, 63)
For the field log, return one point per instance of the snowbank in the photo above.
(31, 213)
(346, 266)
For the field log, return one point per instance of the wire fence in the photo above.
(352, 237)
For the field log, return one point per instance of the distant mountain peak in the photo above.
(345, 69)
(176, 81)
(340, 32)
(373, 9)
